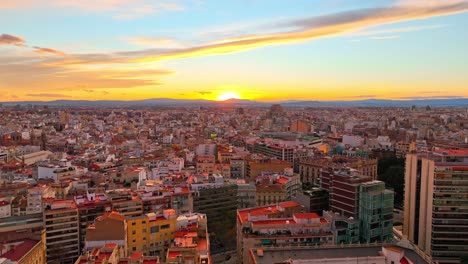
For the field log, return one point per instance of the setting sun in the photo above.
(228, 95)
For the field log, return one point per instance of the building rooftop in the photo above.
(269, 255)
(265, 210)
(454, 152)
(16, 253)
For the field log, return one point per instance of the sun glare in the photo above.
(228, 95)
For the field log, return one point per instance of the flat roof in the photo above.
(457, 152)
(281, 254)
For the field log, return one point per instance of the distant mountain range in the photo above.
(380, 102)
(165, 102)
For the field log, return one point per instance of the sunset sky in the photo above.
(264, 50)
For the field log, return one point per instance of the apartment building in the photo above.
(61, 223)
(218, 202)
(191, 240)
(151, 234)
(375, 212)
(108, 228)
(436, 204)
(125, 202)
(90, 207)
(301, 229)
(205, 164)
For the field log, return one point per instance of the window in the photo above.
(154, 229)
(165, 227)
(134, 248)
(133, 223)
(144, 230)
(133, 232)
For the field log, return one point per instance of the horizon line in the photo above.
(249, 100)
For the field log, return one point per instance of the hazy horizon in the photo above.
(215, 50)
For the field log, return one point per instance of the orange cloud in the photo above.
(304, 29)
(48, 95)
(6, 39)
(49, 51)
(98, 70)
(59, 78)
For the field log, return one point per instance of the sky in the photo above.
(265, 50)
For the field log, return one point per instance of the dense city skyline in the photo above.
(259, 50)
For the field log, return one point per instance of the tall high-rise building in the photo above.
(375, 212)
(367, 200)
(62, 231)
(436, 203)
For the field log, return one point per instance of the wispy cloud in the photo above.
(159, 42)
(41, 50)
(361, 96)
(93, 91)
(150, 8)
(384, 37)
(111, 70)
(6, 39)
(120, 9)
(297, 30)
(203, 92)
(393, 30)
(60, 78)
(53, 95)
(431, 97)
(430, 92)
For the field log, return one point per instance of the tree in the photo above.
(392, 172)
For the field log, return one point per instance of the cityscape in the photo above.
(237, 132)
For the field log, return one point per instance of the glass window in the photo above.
(154, 229)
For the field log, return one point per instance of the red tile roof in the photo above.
(282, 180)
(136, 255)
(404, 260)
(111, 245)
(20, 250)
(288, 204)
(174, 254)
(274, 222)
(453, 151)
(306, 215)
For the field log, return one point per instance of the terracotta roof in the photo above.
(453, 151)
(404, 260)
(136, 255)
(306, 215)
(20, 250)
(150, 262)
(274, 222)
(288, 204)
(174, 254)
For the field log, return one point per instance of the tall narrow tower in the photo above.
(436, 203)
(43, 140)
